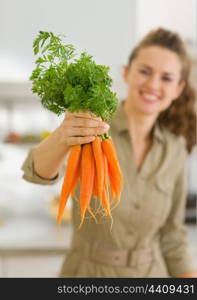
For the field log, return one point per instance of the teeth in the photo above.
(150, 97)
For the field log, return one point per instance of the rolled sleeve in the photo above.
(174, 238)
(31, 176)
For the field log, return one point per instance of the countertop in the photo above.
(40, 234)
(33, 233)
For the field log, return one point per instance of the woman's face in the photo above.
(153, 80)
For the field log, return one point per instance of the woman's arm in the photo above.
(50, 155)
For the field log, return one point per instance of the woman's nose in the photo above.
(153, 82)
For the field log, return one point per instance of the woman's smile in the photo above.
(148, 97)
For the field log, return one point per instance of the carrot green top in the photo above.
(64, 83)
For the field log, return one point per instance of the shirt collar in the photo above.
(158, 133)
(120, 122)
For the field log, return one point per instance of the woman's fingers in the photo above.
(82, 122)
(82, 114)
(76, 131)
(80, 140)
(81, 127)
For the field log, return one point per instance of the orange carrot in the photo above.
(97, 149)
(112, 184)
(87, 178)
(96, 166)
(95, 186)
(116, 177)
(75, 181)
(72, 166)
(105, 196)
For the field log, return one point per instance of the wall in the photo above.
(106, 29)
(178, 15)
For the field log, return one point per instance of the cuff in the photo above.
(31, 176)
(179, 266)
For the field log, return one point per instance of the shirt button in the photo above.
(136, 206)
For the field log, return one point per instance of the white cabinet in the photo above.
(1, 267)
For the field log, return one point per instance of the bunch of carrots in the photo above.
(66, 83)
(95, 165)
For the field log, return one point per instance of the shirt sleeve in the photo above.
(30, 175)
(174, 238)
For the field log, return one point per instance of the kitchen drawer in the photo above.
(1, 267)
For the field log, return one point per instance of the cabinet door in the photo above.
(44, 265)
(1, 267)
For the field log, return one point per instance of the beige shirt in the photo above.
(148, 236)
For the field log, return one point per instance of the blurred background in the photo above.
(30, 243)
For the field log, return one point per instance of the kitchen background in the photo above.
(30, 243)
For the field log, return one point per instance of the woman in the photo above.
(153, 130)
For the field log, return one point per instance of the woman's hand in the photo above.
(76, 128)
(80, 128)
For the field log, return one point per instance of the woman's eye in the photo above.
(167, 79)
(145, 72)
